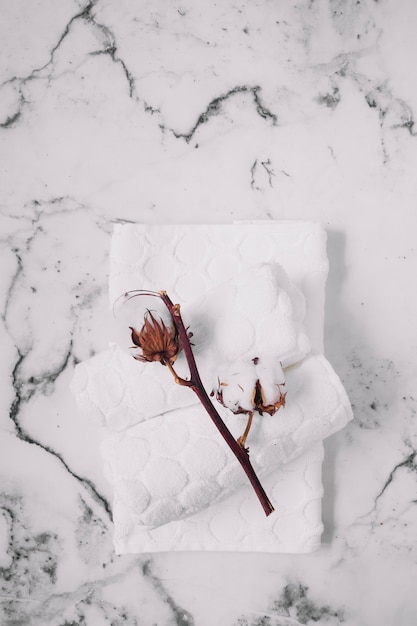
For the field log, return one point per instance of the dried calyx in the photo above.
(156, 340)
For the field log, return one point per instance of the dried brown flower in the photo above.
(156, 340)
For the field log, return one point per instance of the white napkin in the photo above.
(170, 468)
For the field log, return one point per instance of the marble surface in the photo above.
(205, 112)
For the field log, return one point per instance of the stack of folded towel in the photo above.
(250, 293)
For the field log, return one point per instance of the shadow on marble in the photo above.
(369, 381)
(335, 344)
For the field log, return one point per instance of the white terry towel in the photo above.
(170, 468)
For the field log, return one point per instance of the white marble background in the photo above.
(205, 112)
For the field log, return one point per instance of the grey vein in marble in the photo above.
(130, 111)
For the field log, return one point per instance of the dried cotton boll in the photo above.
(258, 385)
(235, 387)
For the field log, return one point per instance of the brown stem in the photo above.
(197, 386)
(242, 439)
(178, 379)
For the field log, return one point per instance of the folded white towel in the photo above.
(170, 468)
(232, 321)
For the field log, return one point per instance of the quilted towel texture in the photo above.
(246, 290)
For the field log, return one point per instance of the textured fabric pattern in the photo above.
(176, 484)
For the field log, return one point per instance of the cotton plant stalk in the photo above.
(161, 343)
